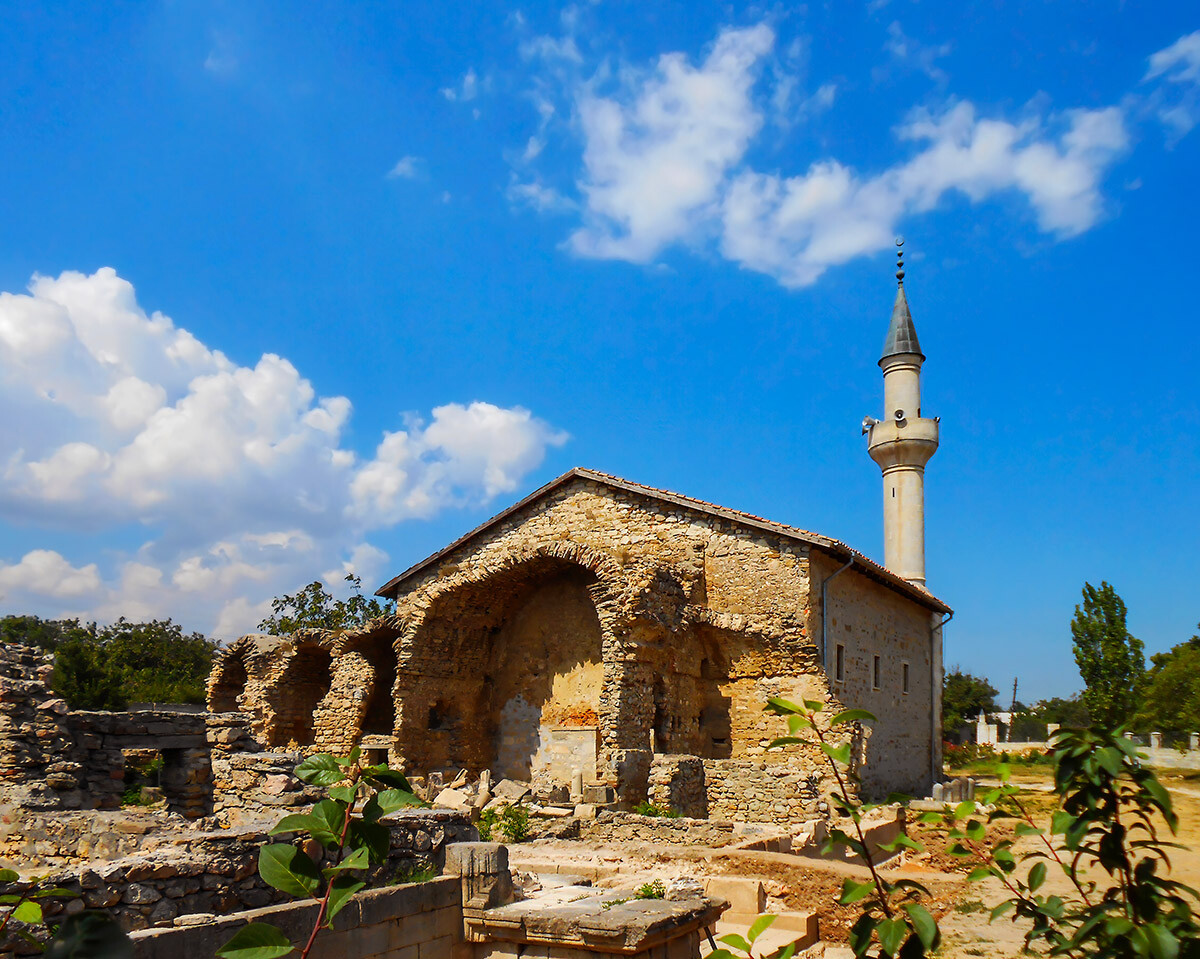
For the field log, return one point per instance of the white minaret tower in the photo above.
(903, 441)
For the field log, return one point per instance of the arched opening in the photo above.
(230, 685)
(548, 672)
(380, 716)
(305, 683)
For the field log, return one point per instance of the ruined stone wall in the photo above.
(218, 873)
(869, 620)
(786, 790)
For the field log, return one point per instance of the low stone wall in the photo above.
(415, 921)
(256, 787)
(749, 791)
(217, 872)
(677, 783)
(611, 826)
(58, 838)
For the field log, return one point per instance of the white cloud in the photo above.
(538, 196)
(119, 420)
(1177, 100)
(657, 154)
(1180, 62)
(907, 50)
(45, 573)
(666, 161)
(466, 90)
(406, 168)
(794, 228)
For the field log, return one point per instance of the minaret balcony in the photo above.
(906, 442)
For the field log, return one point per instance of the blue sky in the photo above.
(300, 288)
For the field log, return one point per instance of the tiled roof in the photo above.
(833, 547)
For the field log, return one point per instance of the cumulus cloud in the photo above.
(118, 419)
(657, 154)
(667, 156)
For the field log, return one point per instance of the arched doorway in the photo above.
(305, 682)
(380, 716)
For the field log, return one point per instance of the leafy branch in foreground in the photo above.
(347, 826)
(1110, 808)
(892, 913)
(84, 935)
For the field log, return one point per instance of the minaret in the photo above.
(903, 441)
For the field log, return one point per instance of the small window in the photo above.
(875, 672)
(839, 663)
(904, 677)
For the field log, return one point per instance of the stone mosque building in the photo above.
(630, 635)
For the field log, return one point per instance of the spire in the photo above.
(901, 335)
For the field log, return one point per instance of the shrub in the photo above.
(515, 823)
(486, 824)
(649, 809)
(651, 890)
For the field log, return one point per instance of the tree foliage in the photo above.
(314, 607)
(1172, 698)
(1110, 812)
(107, 667)
(963, 698)
(1109, 657)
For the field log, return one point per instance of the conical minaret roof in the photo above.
(901, 334)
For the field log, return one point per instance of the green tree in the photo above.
(314, 607)
(1172, 700)
(47, 634)
(963, 698)
(1065, 712)
(111, 666)
(1110, 659)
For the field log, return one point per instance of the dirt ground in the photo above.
(794, 883)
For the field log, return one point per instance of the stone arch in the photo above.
(301, 680)
(519, 647)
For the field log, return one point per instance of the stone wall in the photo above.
(611, 826)
(414, 921)
(217, 872)
(865, 619)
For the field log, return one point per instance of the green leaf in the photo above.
(332, 819)
(964, 809)
(979, 873)
(297, 822)
(891, 933)
(288, 870)
(358, 859)
(840, 754)
(376, 839)
(787, 741)
(1003, 773)
(788, 951)
(1163, 945)
(1001, 909)
(1026, 829)
(854, 891)
(56, 893)
(923, 924)
(320, 770)
(343, 888)
(901, 840)
(781, 707)
(256, 941)
(354, 754)
(1037, 875)
(860, 933)
(383, 776)
(853, 716)
(761, 924)
(344, 794)
(813, 705)
(392, 799)
(89, 935)
(736, 941)
(28, 911)
(7, 875)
